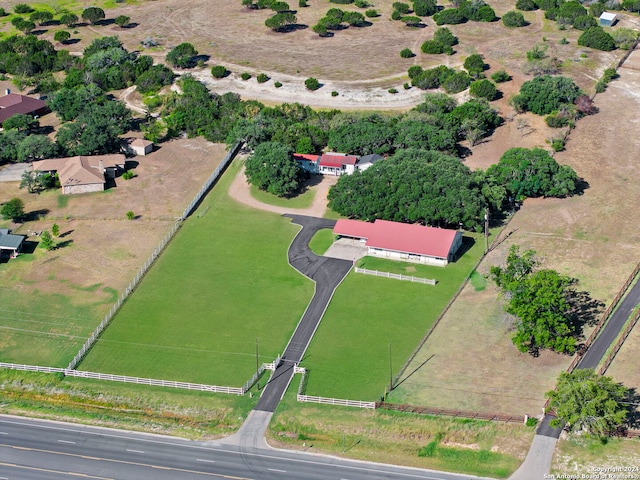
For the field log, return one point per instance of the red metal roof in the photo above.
(307, 157)
(335, 160)
(400, 237)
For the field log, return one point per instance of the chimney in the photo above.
(101, 166)
(7, 91)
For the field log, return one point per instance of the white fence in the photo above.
(126, 379)
(409, 278)
(336, 401)
(152, 258)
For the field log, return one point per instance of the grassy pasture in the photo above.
(223, 282)
(349, 355)
(302, 200)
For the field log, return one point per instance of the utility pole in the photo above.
(390, 369)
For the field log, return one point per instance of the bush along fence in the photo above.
(427, 281)
(452, 413)
(156, 253)
(301, 397)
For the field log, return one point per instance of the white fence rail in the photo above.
(336, 401)
(125, 379)
(152, 258)
(409, 278)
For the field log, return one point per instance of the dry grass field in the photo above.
(65, 292)
(592, 237)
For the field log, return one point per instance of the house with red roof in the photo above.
(337, 164)
(308, 162)
(11, 104)
(403, 241)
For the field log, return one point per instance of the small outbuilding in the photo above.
(607, 19)
(140, 146)
(9, 243)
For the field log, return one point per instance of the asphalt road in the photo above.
(35, 449)
(327, 273)
(611, 329)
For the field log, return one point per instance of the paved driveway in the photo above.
(13, 172)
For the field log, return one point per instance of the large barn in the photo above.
(403, 241)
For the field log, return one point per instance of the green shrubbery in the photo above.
(513, 19)
(598, 38)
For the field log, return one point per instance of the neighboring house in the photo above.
(308, 162)
(9, 243)
(82, 174)
(607, 19)
(140, 146)
(12, 104)
(337, 164)
(403, 241)
(368, 160)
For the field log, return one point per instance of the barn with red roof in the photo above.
(403, 241)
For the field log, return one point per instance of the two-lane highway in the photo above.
(34, 449)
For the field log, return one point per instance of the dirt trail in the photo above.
(240, 191)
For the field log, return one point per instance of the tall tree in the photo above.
(182, 55)
(93, 14)
(584, 401)
(272, 168)
(13, 209)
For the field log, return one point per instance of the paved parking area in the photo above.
(346, 249)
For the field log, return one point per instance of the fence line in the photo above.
(125, 378)
(336, 401)
(616, 348)
(452, 413)
(152, 258)
(366, 271)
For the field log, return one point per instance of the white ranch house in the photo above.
(334, 163)
(403, 241)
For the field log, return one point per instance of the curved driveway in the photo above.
(327, 273)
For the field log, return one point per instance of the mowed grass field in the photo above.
(222, 282)
(349, 355)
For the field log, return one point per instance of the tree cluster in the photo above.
(545, 94)
(449, 79)
(477, 11)
(29, 56)
(538, 299)
(335, 18)
(271, 168)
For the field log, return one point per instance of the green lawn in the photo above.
(302, 200)
(370, 316)
(222, 282)
(321, 241)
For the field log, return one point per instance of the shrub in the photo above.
(445, 37)
(396, 15)
(302, 3)
(22, 8)
(401, 7)
(424, 8)
(415, 71)
(406, 53)
(433, 47)
(484, 14)
(262, 78)
(393, 90)
(406, 86)
(372, 13)
(277, 84)
(526, 5)
(500, 76)
(245, 76)
(93, 14)
(596, 37)
(312, 83)
(557, 119)
(218, 71)
(596, 9)
(3, 12)
(483, 89)
(531, 421)
(122, 21)
(456, 82)
(128, 175)
(411, 20)
(449, 16)
(624, 37)
(130, 215)
(474, 64)
(584, 21)
(362, 4)
(334, 94)
(557, 144)
(563, 41)
(61, 36)
(513, 19)
(544, 94)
